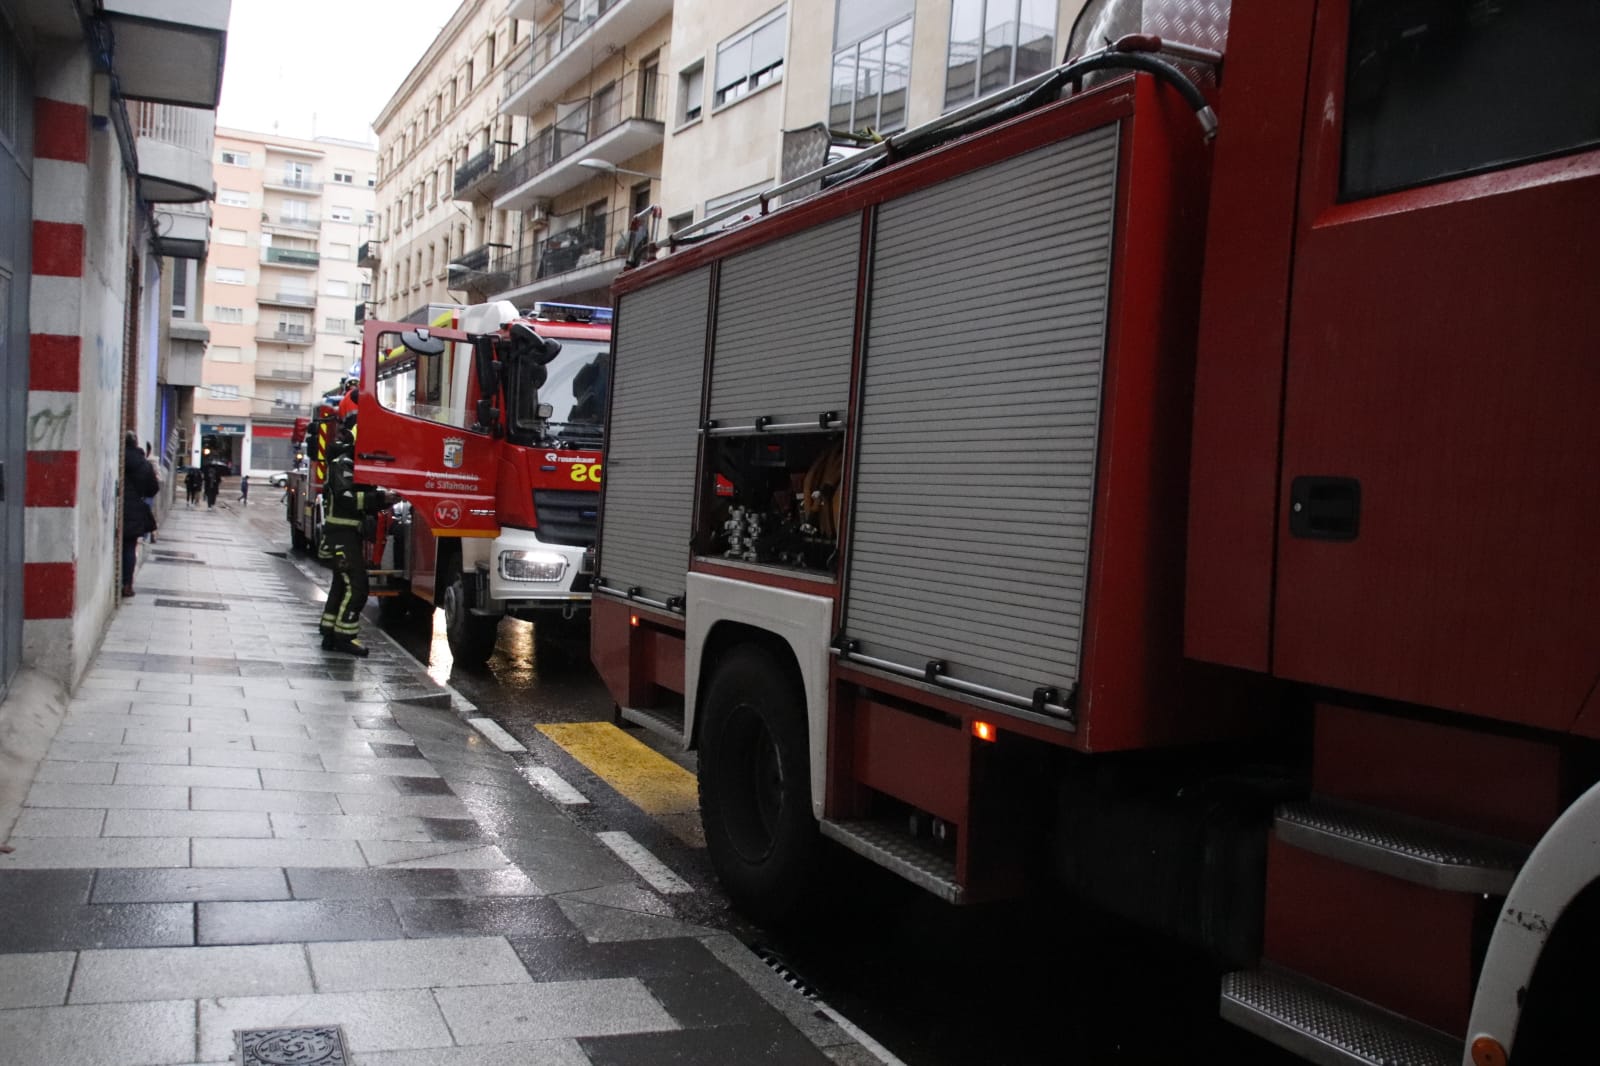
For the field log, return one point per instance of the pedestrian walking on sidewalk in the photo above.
(213, 482)
(138, 482)
(244, 490)
(191, 485)
(349, 510)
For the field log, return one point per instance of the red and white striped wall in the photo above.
(60, 208)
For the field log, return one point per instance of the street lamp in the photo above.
(611, 168)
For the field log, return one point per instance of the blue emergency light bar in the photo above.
(554, 312)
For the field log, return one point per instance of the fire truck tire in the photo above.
(755, 785)
(471, 636)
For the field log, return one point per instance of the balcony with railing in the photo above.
(477, 176)
(183, 231)
(614, 125)
(293, 370)
(279, 410)
(286, 298)
(281, 333)
(301, 223)
(579, 253)
(287, 181)
(174, 149)
(370, 254)
(564, 50)
(480, 270)
(298, 258)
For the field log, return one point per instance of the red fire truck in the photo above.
(492, 436)
(1204, 527)
(303, 491)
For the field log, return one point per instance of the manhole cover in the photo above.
(312, 1045)
(193, 605)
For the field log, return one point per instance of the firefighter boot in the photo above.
(348, 645)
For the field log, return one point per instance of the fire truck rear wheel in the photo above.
(471, 636)
(755, 785)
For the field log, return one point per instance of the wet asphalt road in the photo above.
(1043, 982)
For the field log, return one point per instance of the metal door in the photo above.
(16, 209)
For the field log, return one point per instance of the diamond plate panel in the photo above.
(894, 850)
(1424, 853)
(1203, 23)
(1326, 1026)
(314, 1045)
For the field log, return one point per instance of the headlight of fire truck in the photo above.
(532, 566)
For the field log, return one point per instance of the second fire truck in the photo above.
(489, 424)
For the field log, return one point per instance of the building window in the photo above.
(295, 211)
(750, 59)
(226, 315)
(229, 236)
(224, 353)
(297, 174)
(233, 198)
(691, 92)
(372, 180)
(235, 159)
(467, 76)
(678, 222)
(995, 43)
(372, 217)
(366, 291)
(338, 288)
(223, 392)
(182, 286)
(336, 325)
(341, 214)
(869, 81)
(493, 41)
(230, 275)
(338, 251)
(344, 177)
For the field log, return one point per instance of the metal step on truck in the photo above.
(493, 441)
(1169, 484)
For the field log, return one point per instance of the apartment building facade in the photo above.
(106, 119)
(741, 107)
(554, 125)
(282, 287)
(440, 138)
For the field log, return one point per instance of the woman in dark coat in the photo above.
(139, 482)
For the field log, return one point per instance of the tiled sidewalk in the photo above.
(235, 830)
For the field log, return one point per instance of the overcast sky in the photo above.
(325, 68)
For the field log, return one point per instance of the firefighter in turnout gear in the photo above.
(349, 511)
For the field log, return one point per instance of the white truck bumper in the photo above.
(526, 575)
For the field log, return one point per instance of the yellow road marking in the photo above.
(649, 780)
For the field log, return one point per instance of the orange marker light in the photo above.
(633, 619)
(983, 731)
(1486, 1051)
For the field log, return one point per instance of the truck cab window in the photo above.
(1438, 89)
(418, 385)
(573, 385)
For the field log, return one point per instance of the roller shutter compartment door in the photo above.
(979, 419)
(658, 363)
(785, 318)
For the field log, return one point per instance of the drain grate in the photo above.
(160, 553)
(193, 605)
(311, 1045)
